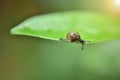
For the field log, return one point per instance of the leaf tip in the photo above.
(12, 31)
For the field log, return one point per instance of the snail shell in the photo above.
(73, 36)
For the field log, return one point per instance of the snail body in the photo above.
(74, 37)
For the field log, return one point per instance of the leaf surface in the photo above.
(93, 26)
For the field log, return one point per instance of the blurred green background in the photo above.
(29, 58)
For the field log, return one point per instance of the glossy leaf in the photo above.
(93, 26)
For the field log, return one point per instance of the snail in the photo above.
(74, 37)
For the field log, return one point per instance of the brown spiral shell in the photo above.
(73, 36)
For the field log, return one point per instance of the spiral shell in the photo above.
(73, 36)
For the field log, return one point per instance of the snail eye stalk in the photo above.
(83, 43)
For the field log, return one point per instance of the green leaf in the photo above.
(93, 26)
